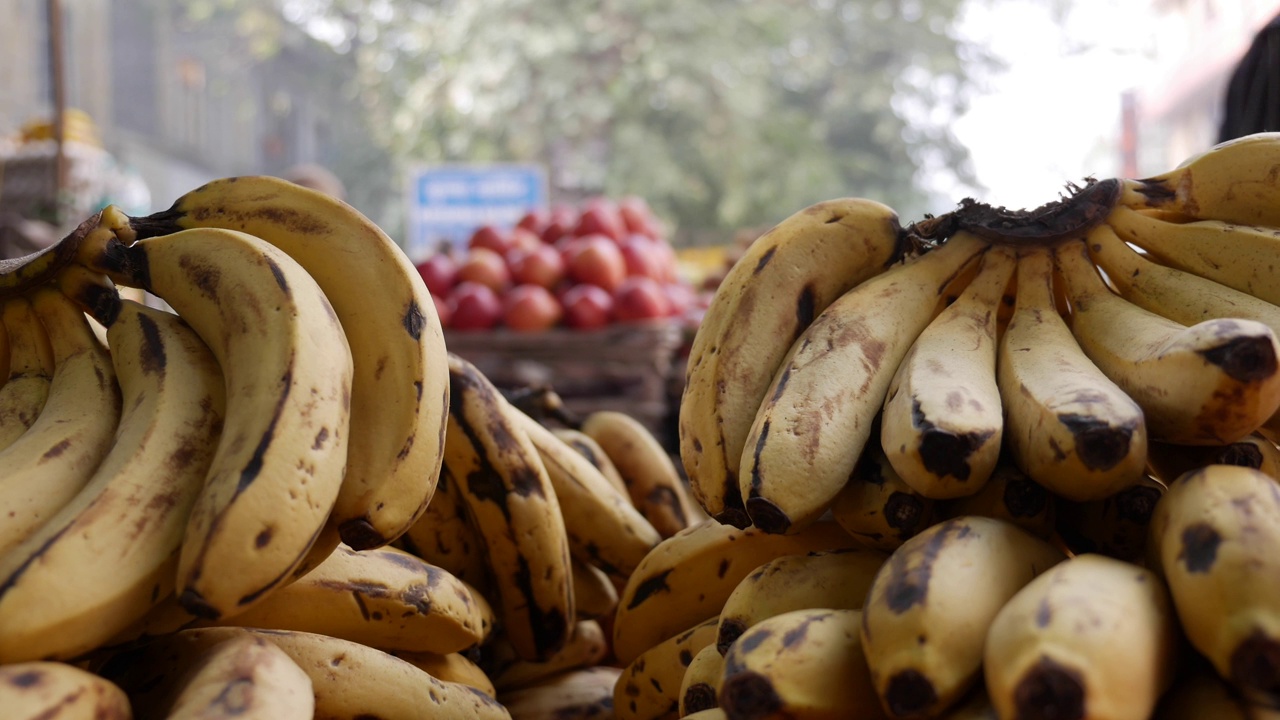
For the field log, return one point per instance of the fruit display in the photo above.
(992, 464)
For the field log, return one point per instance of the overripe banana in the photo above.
(446, 538)
(29, 358)
(1114, 526)
(700, 686)
(877, 507)
(768, 298)
(652, 481)
(57, 691)
(245, 678)
(583, 694)
(1011, 496)
(649, 688)
(586, 647)
(588, 448)
(595, 595)
(450, 667)
(817, 413)
(1168, 461)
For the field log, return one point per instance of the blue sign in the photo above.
(448, 202)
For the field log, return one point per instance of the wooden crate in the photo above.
(624, 367)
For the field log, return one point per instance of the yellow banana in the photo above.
(450, 667)
(594, 594)
(510, 499)
(585, 693)
(834, 579)
(446, 538)
(1011, 496)
(121, 533)
(942, 422)
(687, 578)
(1208, 384)
(586, 647)
(588, 448)
(18, 276)
(246, 678)
(649, 473)
(768, 298)
(877, 507)
(649, 688)
(1092, 637)
(49, 464)
(399, 389)
(1214, 535)
(700, 686)
(30, 366)
(1114, 526)
(817, 413)
(1068, 426)
(804, 664)
(56, 691)
(281, 458)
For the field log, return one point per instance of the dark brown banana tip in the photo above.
(767, 516)
(1242, 454)
(1049, 691)
(1246, 359)
(193, 602)
(1082, 209)
(698, 697)
(1255, 668)
(735, 516)
(909, 694)
(359, 534)
(19, 275)
(1099, 445)
(730, 630)
(749, 696)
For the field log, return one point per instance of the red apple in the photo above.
(596, 260)
(442, 309)
(640, 298)
(642, 257)
(542, 265)
(439, 272)
(587, 307)
(522, 239)
(667, 260)
(491, 237)
(563, 218)
(487, 267)
(600, 216)
(534, 220)
(530, 308)
(473, 306)
(636, 216)
(680, 297)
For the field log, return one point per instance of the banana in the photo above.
(30, 366)
(927, 612)
(688, 577)
(817, 413)
(700, 686)
(20, 275)
(350, 681)
(594, 594)
(56, 691)
(588, 448)
(1114, 526)
(1214, 535)
(1168, 461)
(834, 579)
(450, 667)
(246, 678)
(120, 535)
(1207, 384)
(585, 694)
(804, 664)
(399, 389)
(652, 481)
(446, 538)
(587, 646)
(766, 300)
(877, 507)
(1204, 695)
(649, 688)
(279, 464)
(50, 463)
(603, 527)
(975, 706)
(1011, 496)
(942, 422)
(1234, 181)
(510, 499)
(1092, 637)
(1068, 426)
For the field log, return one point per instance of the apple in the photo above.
(473, 306)
(600, 216)
(523, 239)
(640, 298)
(439, 272)
(489, 236)
(530, 308)
(596, 260)
(542, 265)
(667, 260)
(487, 267)
(562, 220)
(587, 307)
(535, 220)
(442, 309)
(636, 216)
(680, 297)
(642, 258)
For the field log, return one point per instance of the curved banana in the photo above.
(877, 507)
(687, 578)
(1214, 535)
(281, 458)
(57, 691)
(1208, 384)
(1235, 181)
(801, 664)
(652, 481)
(700, 686)
(1091, 637)
(927, 612)
(450, 667)
(586, 647)
(49, 464)
(1068, 426)
(510, 499)
(18, 276)
(595, 595)
(399, 389)
(649, 687)
(585, 693)
(942, 422)
(30, 366)
(771, 295)
(120, 535)
(588, 448)
(446, 538)
(834, 579)
(1011, 496)
(817, 414)
(245, 678)
(1114, 526)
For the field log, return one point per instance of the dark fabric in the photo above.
(1253, 94)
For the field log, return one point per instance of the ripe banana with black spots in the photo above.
(120, 535)
(399, 389)
(1067, 425)
(18, 276)
(586, 647)
(574, 695)
(833, 579)
(1011, 496)
(450, 667)
(595, 594)
(805, 664)
(1214, 535)
(817, 414)
(927, 612)
(588, 448)
(57, 691)
(1208, 384)
(1092, 637)
(652, 481)
(510, 500)
(1168, 461)
(29, 358)
(52, 461)
(280, 461)
(649, 688)
(700, 686)
(1115, 526)
(942, 422)
(687, 578)
(446, 538)
(246, 678)
(877, 507)
(766, 300)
